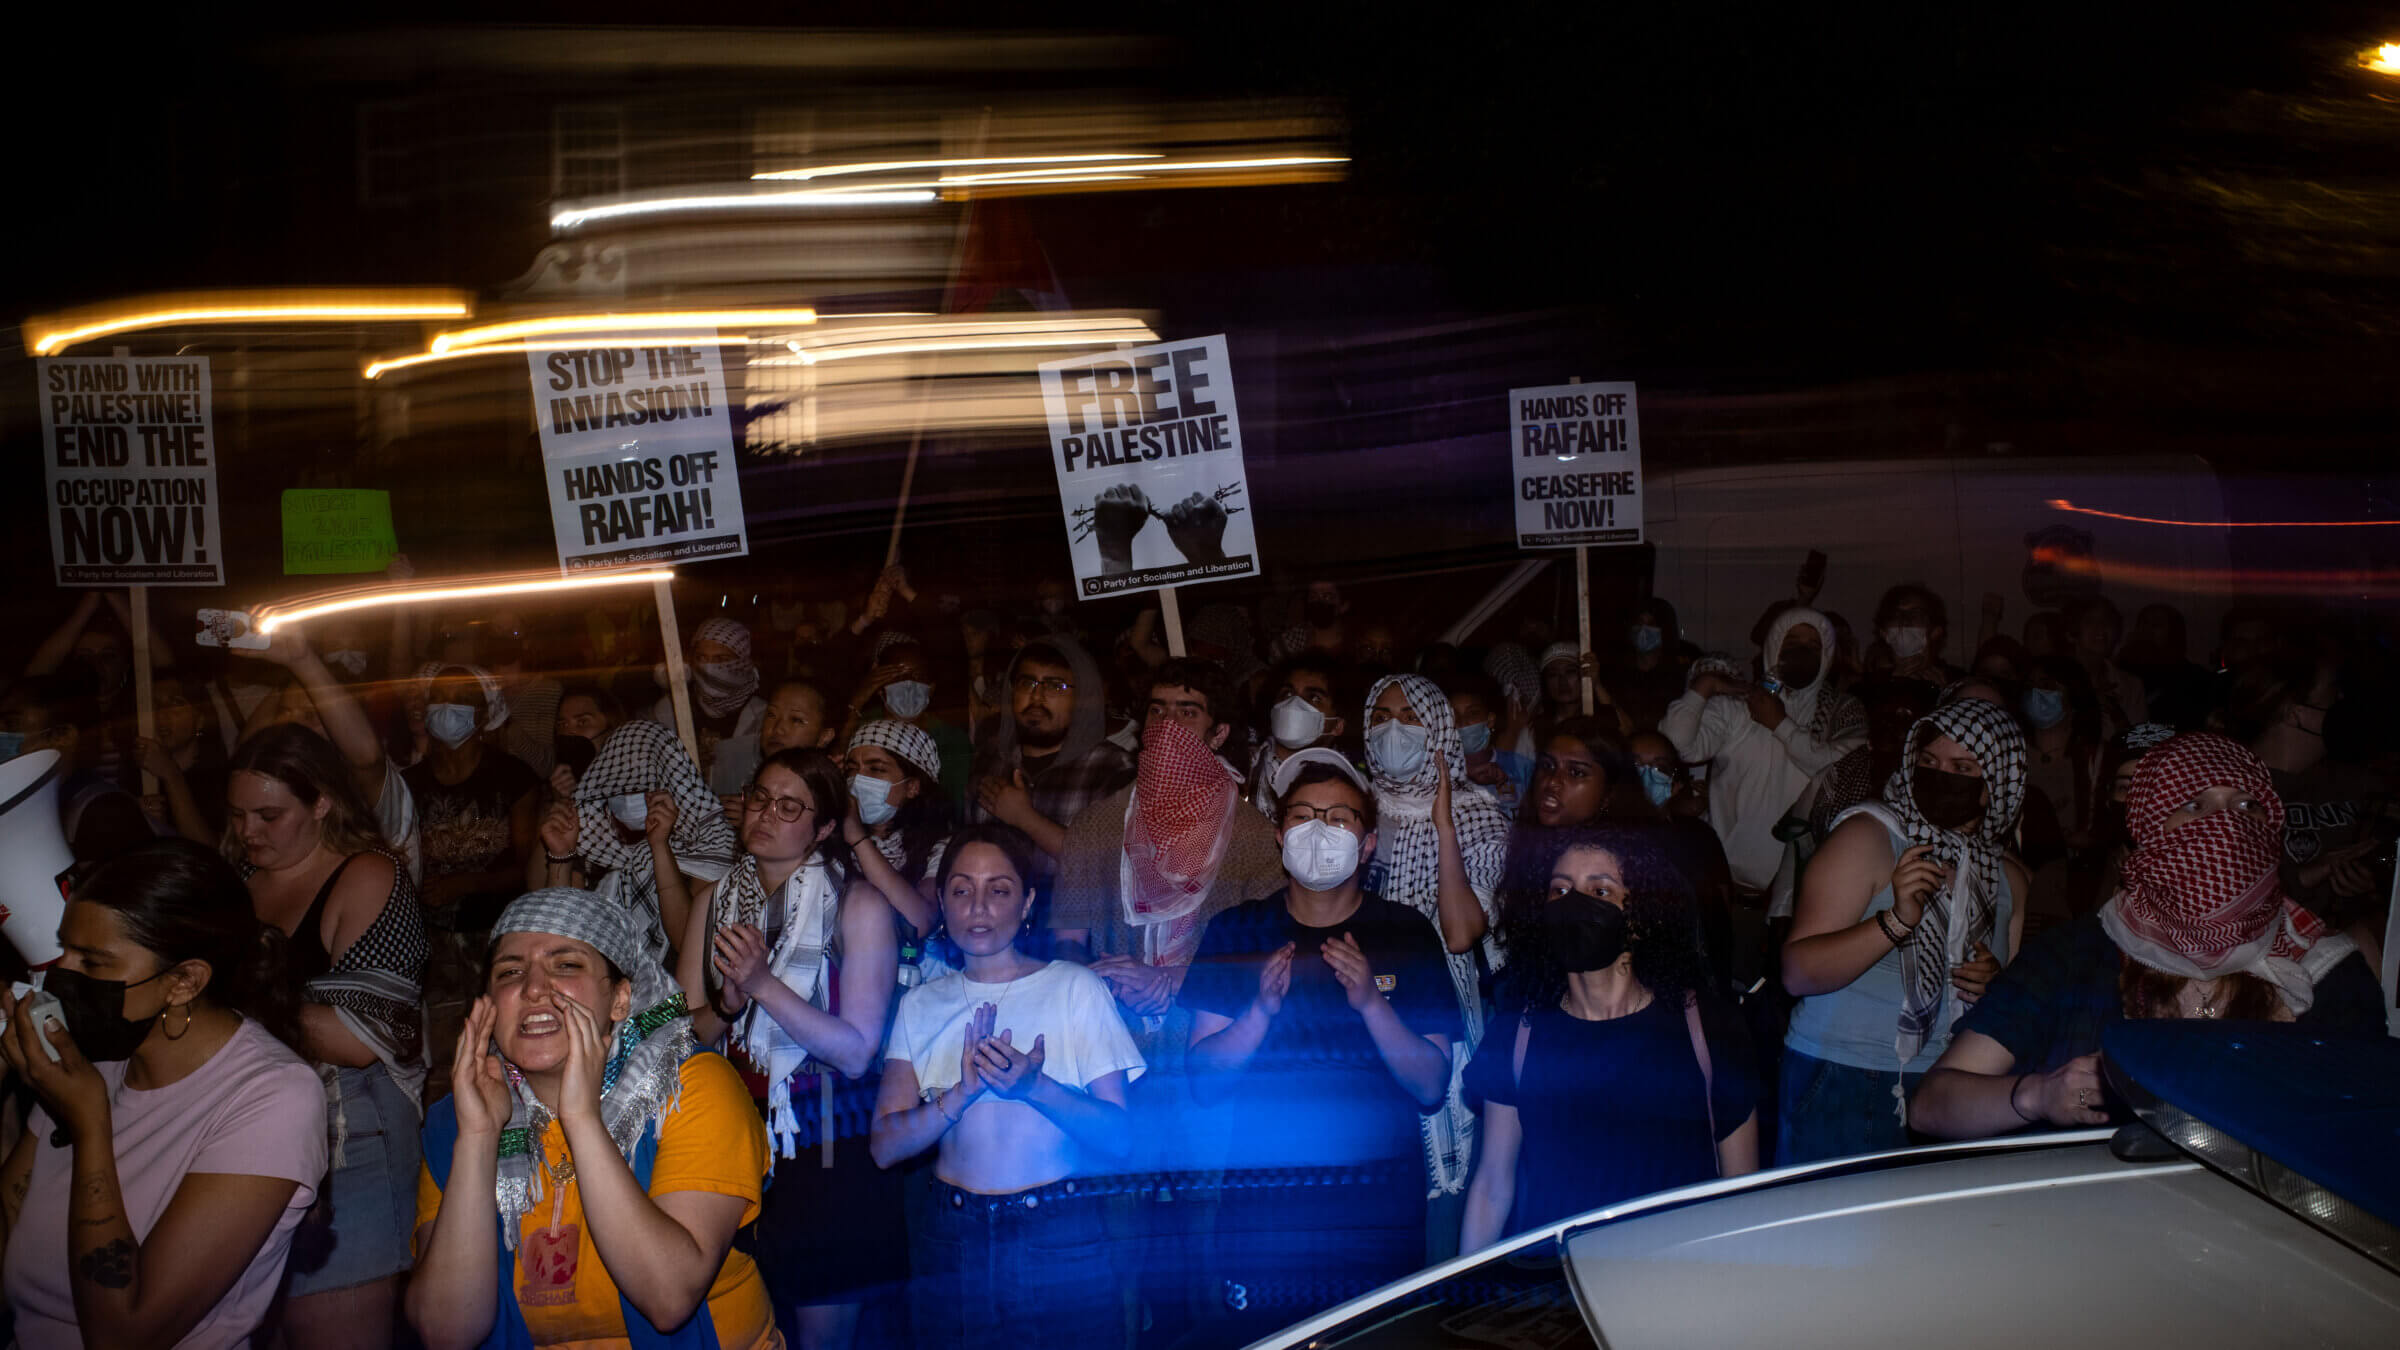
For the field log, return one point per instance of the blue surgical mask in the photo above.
(1647, 638)
(1657, 784)
(906, 698)
(453, 724)
(874, 797)
(2045, 708)
(1397, 749)
(1475, 736)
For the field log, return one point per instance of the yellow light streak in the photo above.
(1144, 170)
(914, 339)
(379, 368)
(48, 333)
(902, 165)
(751, 201)
(556, 324)
(2383, 60)
(810, 357)
(271, 617)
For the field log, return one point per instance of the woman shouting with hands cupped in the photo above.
(584, 1181)
(1015, 1069)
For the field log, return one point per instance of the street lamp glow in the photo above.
(2383, 60)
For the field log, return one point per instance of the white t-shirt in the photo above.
(1070, 1008)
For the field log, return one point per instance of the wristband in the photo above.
(2012, 1101)
(937, 1105)
(1894, 931)
(557, 859)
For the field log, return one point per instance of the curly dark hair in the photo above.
(1662, 916)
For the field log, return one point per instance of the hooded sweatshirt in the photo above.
(1755, 774)
(1087, 766)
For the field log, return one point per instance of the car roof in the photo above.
(2326, 1108)
(2038, 1246)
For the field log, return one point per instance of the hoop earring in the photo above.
(187, 1022)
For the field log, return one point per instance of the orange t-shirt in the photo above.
(713, 1142)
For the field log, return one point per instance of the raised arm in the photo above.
(1460, 913)
(54, 649)
(346, 723)
(1832, 941)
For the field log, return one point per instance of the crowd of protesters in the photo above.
(970, 977)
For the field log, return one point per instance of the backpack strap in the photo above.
(1708, 1075)
(1517, 1060)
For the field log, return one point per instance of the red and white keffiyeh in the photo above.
(1177, 826)
(2204, 899)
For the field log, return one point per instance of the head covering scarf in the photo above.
(644, 1078)
(1561, 651)
(724, 686)
(1177, 823)
(1225, 631)
(641, 756)
(1513, 667)
(1406, 870)
(1964, 914)
(888, 639)
(911, 743)
(1719, 663)
(2205, 899)
(2145, 738)
(1828, 714)
(495, 703)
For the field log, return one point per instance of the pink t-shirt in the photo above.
(254, 1109)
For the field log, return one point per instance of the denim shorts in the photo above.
(1832, 1110)
(370, 1200)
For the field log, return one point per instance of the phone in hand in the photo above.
(230, 628)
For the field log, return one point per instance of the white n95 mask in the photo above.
(1319, 855)
(1296, 722)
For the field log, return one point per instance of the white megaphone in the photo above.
(34, 857)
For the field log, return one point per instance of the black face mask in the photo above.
(1797, 667)
(1952, 801)
(1321, 613)
(95, 1013)
(1584, 932)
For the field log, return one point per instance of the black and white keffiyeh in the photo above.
(1964, 914)
(1406, 869)
(1827, 713)
(803, 932)
(640, 756)
(644, 1079)
(907, 741)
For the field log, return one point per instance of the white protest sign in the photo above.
(637, 446)
(1576, 451)
(130, 463)
(1148, 448)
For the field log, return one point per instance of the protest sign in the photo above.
(637, 445)
(1149, 434)
(1576, 450)
(337, 530)
(129, 463)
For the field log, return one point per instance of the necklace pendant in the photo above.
(563, 1171)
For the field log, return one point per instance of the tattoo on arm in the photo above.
(109, 1265)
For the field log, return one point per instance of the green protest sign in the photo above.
(337, 530)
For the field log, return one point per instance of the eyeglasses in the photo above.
(1341, 817)
(1027, 684)
(786, 809)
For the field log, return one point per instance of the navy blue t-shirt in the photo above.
(1318, 1092)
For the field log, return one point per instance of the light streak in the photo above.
(911, 339)
(48, 333)
(2383, 60)
(749, 201)
(900, 165)
(1144, 170)
(271, 617)
(2060, 504)
(628, 322)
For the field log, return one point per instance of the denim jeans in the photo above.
(1831, 1110)
(1010, 1271)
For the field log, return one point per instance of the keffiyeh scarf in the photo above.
(910, 743)
(641, 756)
(1964, 913)
(724, 686)
(2205, 898)
(1827, 713)
(801, 959)
(1178, 820)
(495, 703)
(1406, 869)
(1514, 669)
(644, 1079)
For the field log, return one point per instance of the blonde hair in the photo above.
(308, 765)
